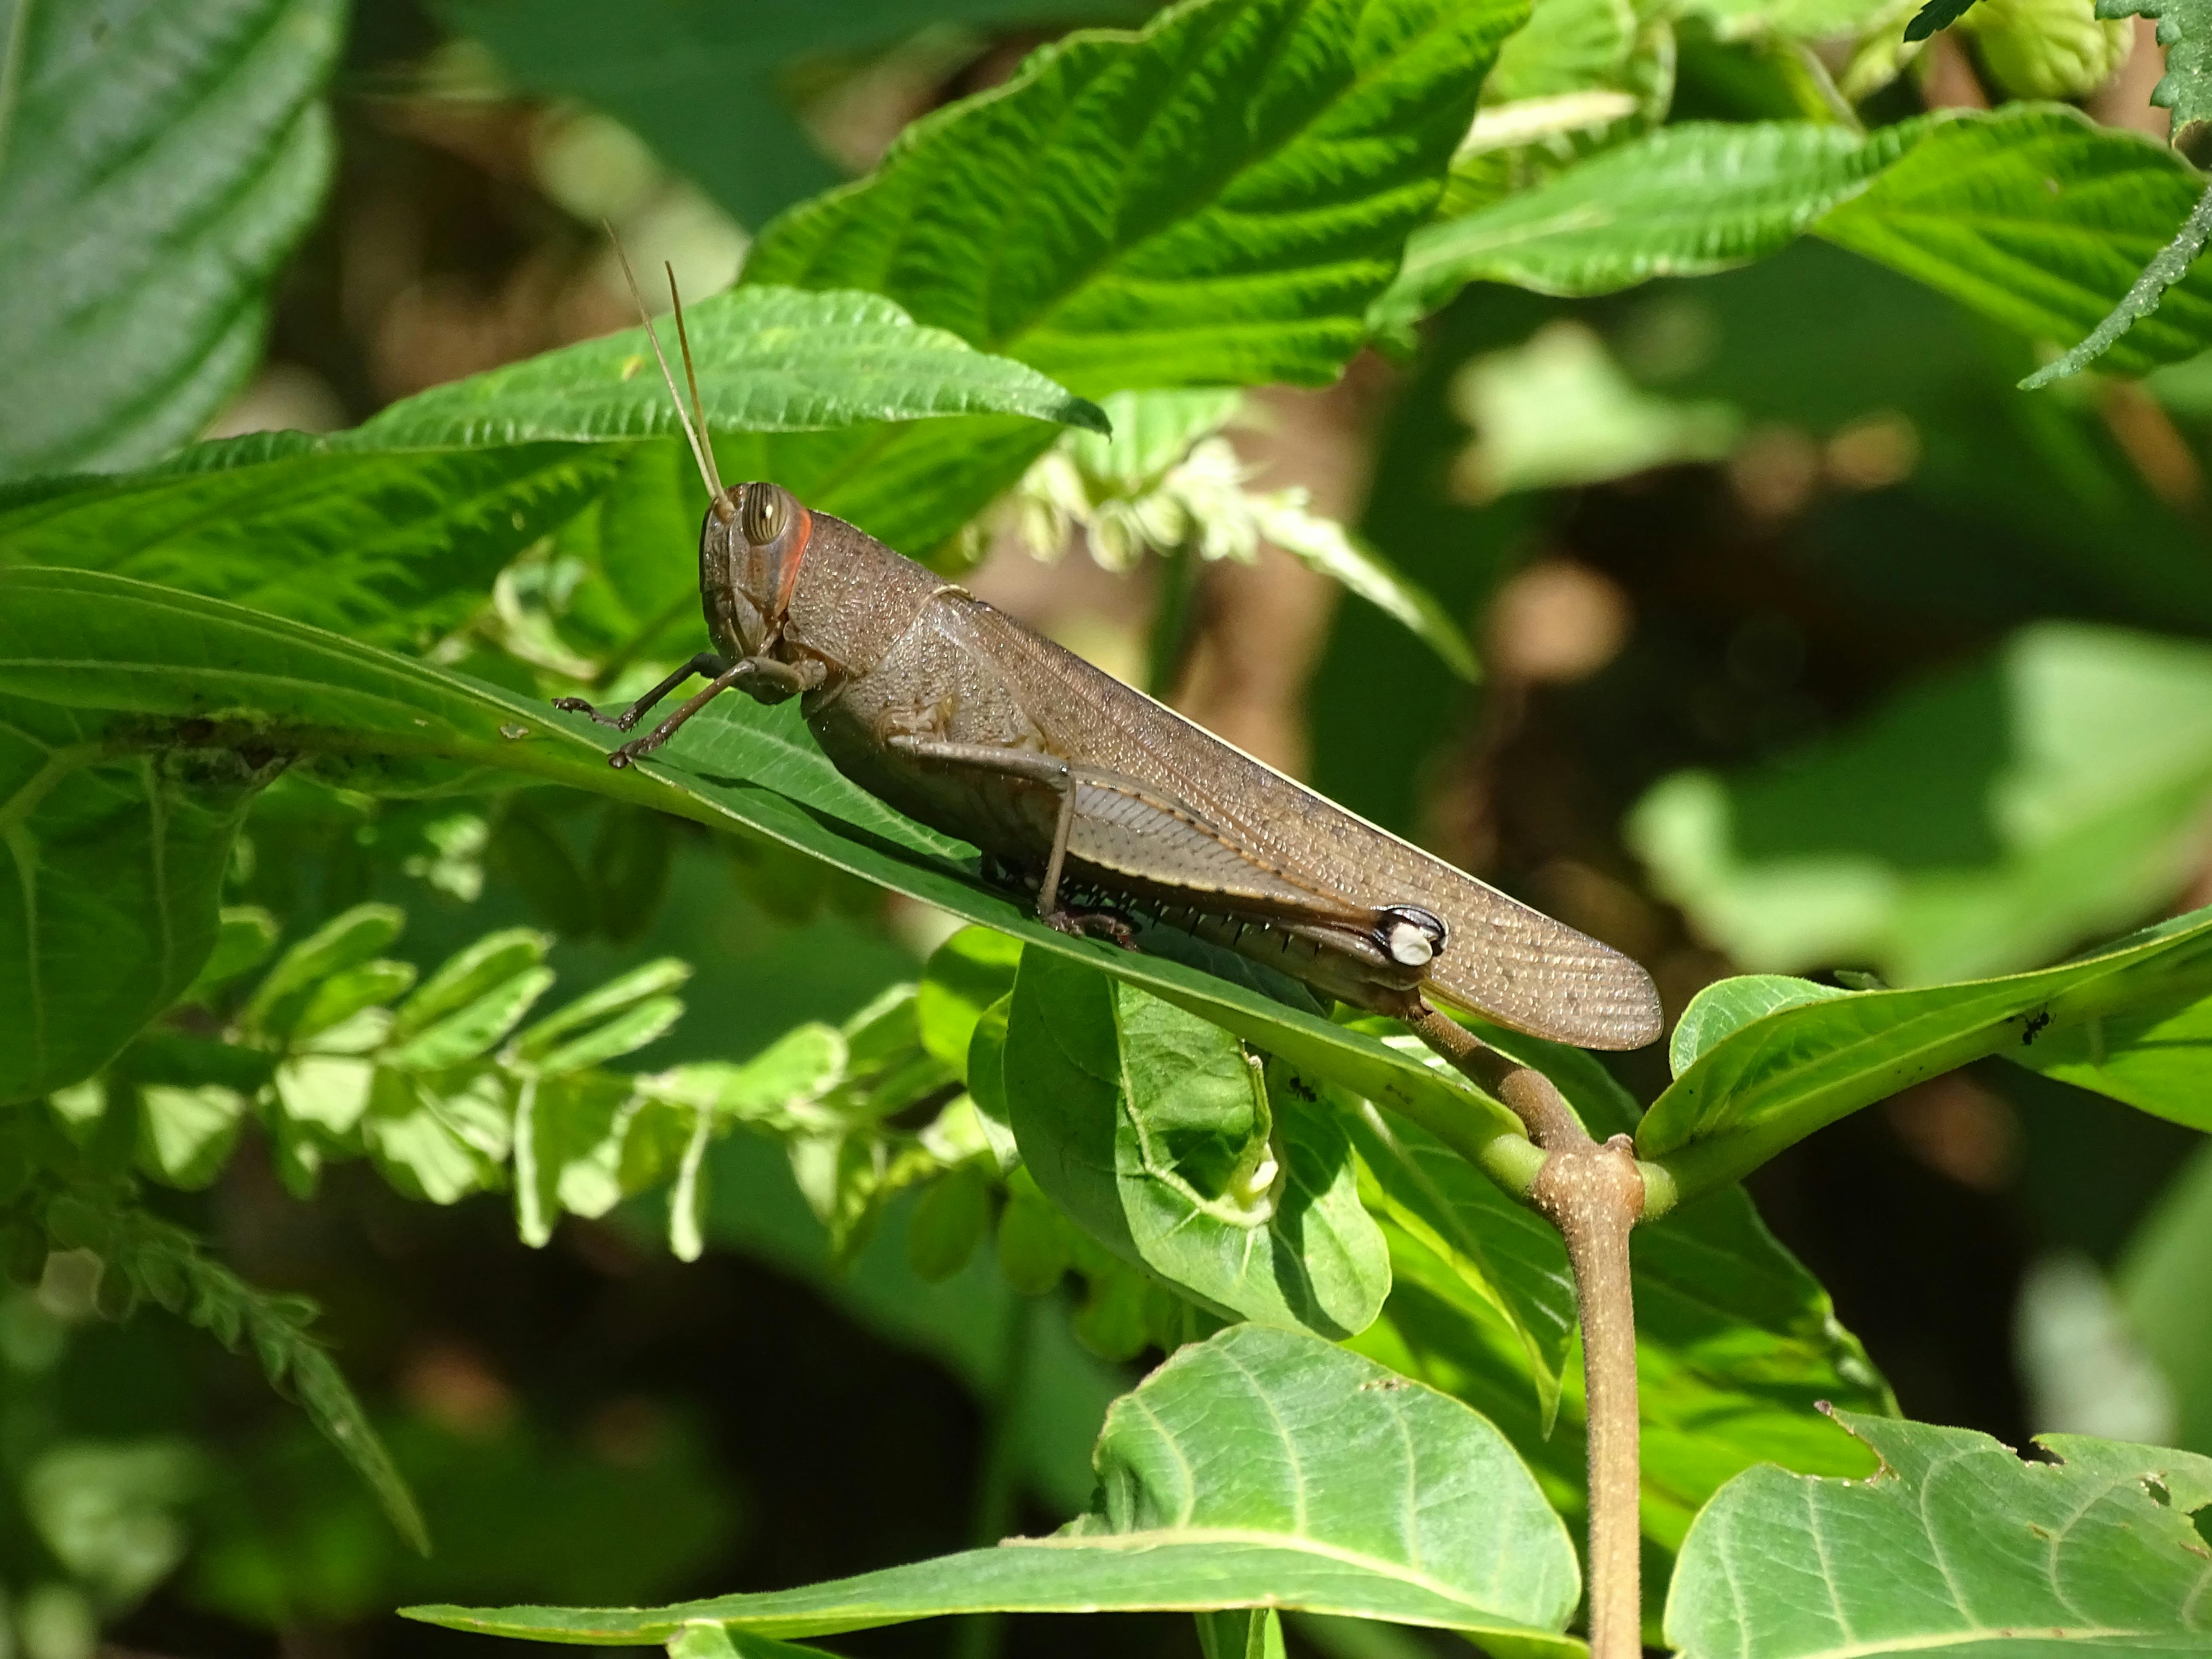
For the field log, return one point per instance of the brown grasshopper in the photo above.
(1065, 779)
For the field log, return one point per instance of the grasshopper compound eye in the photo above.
(764, 514)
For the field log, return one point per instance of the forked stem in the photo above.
(1593, 1194)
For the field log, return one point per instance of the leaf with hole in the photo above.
(1956, 1543)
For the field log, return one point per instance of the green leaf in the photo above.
(2185, 31)
(1728, 1005)
(966, 974)
(1688, 201)
(1982, 822)
(1957, 1543)
(186, 1135)
(476, 1028)
(1775, 1080)
(2031, 215)
(2164, 1283)
(1166, 1142)
(346, 940)
(434, 1147)
(948, 1222)
(2154, 1056)
(1934, 15)
(2041, 219)
(1735, 1341)
(641, 986)
(768, 360)
(987, 1081)
(164, 1264)
(247, 934)
(111, 863)
(467, 975)
(397, 549)
(340, 996)
(800, 1065)
(156, 167)
(143, 662)
(2167, 267)
(1261, 1467)
(1213, 200)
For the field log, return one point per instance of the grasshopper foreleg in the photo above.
(707, 665)
(1055, 774)
(762, 678)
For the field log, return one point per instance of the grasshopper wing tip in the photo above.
(1584, 993)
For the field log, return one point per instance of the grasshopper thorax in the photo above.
(750, 546)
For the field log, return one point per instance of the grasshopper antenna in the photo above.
(691, 376)
(701, 455)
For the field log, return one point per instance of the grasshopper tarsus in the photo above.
(621, 722)
(1113, 925)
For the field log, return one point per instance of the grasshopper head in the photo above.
(749, 549)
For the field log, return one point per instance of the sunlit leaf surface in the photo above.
(1261, 1467)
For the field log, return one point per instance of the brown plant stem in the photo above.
(1593, 1194)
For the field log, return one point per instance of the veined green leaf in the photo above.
(1956, 1543)
(393, 548)
(157, 163)
(145, 667)
(2152, 1056)
(1731, 1003)
(2031, 215)
(1155, 1131)
(1775, 1080)
(768, 360)
(1688, 201)
(1213, 200)
(111, 861)
(2039, 219)
(1262, 1467)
